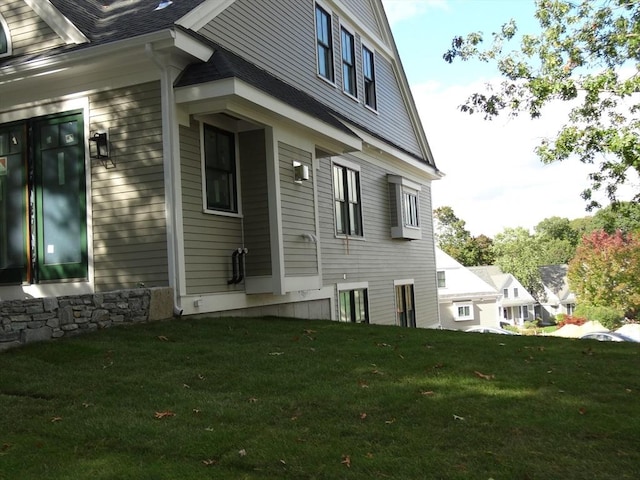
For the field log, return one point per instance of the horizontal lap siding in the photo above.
(29, 33)
(128, 202)
(364, 10)
(209, 240)
(279, 36)
(378, 259)
(255, 206)
(298, 214)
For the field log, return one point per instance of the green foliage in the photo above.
(588, 54)
(605, 271)
(610, 318)
(517, 252)
(623, 216)
(455, 240)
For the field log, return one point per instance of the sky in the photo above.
(493, 179)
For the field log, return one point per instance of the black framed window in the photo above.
(354, 306)
(324, 43)
(346, 188)
(368, 72)
(405, 306)
(220, 170)
(348, 63)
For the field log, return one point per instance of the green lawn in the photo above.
(298, 399)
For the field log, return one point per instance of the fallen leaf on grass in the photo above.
(389, 422)
(87, 404)
(196, 411)
(164, 414)
(363, 384)
(369, 455)
(283, 462)
(5, 447)
(482, 375)
(209, 462)
(363, 416)
(242, 453)
(346, 460)
(56, 419)
(427, 393)
(457, 417)
(253, 400)
(210, 429)
(275, 354)
(201, 377)
(184, 385)
(582, 410)
(162, 338)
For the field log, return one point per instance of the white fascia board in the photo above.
(193, 47)
(58, 22)
(203, 14)
(381, 45)
(234, 87)
(380, 146)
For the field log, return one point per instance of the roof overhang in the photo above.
(235, 96)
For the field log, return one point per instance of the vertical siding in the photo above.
(298, 214)
(378, 259)
(129, 230)
(284, 44)
(209, 240)
(254, 203)
(29, 33)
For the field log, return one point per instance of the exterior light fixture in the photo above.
(99, 148)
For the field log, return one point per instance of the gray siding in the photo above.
(254, 203)
(29, 33)
(378, 259)
(298, 214)
(129, 230)
(209, 240)
(363, 9)
(284, 44)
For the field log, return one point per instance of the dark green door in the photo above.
(59, 180)
(13, 205)
(43, 233)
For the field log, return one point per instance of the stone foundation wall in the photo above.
(38, 319)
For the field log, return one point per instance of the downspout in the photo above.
(170, 151)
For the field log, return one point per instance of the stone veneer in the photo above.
(38, 319)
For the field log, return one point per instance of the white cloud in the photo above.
(398, 10)
(493, 178)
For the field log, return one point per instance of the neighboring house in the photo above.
(516, 304)
(464, 298)
(557, 297)
(259, 157)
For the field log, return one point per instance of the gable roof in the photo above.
(554, 279)
(461, 282)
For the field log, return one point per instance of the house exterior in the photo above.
(515, 304)
(557, 297)
(255, 157)
(464, 298)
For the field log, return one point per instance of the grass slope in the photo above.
(294, 399)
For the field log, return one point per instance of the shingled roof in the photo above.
(103, 21)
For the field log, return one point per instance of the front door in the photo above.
(42, 200)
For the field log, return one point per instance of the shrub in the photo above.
(609, 317)
(560, 317)
(572, 320)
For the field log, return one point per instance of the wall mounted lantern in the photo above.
(300, 172)
(99, 148)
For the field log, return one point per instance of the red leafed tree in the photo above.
(605, 271)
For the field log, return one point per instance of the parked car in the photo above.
(607, 337)
(486, 329)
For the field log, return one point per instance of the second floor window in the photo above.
(505, 293)
(348, 63)
(324, 43)
(442, 279)
(346, 193)
(515, 293)
(368, 72)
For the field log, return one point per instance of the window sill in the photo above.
(408, 233)
(351, 96)
(327, 81)
(221, 213)
(371, 109)
(349, 237)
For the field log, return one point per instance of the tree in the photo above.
(624, 216)
(557, 241)
(605, 271)
(455, 240)
(588, 53)
(517, 252)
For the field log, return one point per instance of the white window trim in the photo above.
(351, 32)
(364, 44)
(466, 318)
(356, 167)
(347, 287)
(329, 11)
(203, 172)
(5, 27)
(400, 186)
